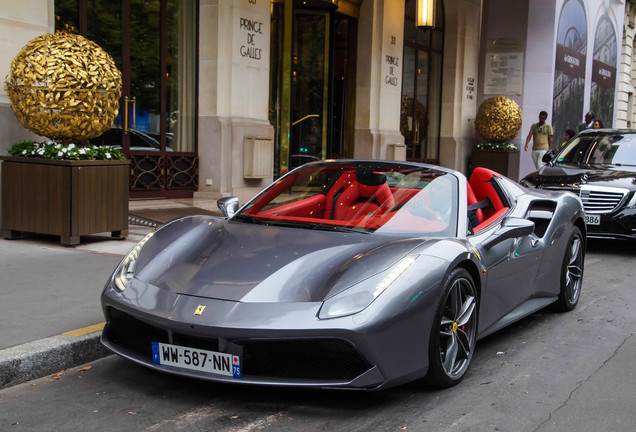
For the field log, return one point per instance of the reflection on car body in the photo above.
(346, 274)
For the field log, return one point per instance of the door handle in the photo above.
(305, 118)
(134, 114)
(132, 102)
(126, 114)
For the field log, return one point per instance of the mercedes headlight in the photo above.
(126, 270)
(361, 295)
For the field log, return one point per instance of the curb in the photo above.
(46, 356)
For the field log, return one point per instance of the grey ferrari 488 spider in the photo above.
(346, 274)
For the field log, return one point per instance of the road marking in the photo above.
(85, 330)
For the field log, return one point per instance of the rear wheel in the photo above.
(454, 331)
(571, 272)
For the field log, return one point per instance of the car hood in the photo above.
(216, 258)
(564, 175)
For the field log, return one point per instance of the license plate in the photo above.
(196, 359)
(592, 219)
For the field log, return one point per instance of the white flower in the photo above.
(71, 146)
(82, 151)
(41, 151)
(107, 155)
(60, 154)
(24, 152)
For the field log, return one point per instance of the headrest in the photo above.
(366, 176)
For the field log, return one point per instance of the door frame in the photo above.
(174, 174)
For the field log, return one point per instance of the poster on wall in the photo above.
(504, 67)
(569, 74)
(604, 72)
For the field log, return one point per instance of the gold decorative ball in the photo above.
(498, 119)
(64, 87)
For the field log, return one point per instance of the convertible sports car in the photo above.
(599, 165)
(346, 274)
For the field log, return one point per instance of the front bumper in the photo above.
(281, 344)
(618, 225)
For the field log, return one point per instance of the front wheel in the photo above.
(571, 272)
(454, 331)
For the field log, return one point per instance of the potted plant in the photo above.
(67, 88)
(502, 157)
(498, 121)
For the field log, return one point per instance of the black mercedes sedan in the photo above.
(599, 165)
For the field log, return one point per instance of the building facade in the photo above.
(221, 97)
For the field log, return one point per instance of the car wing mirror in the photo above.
(228, 205)
(511, 227)
(548, 156)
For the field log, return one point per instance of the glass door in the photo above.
(312, 68)
(153, 43)
(421, 87)
(310, 87)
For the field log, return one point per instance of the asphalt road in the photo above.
(548, 372)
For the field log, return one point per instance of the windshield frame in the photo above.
(277, 205)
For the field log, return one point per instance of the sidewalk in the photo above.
(50, 296)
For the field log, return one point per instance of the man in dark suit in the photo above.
(589, 120)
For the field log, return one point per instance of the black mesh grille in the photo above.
(133, 334)
(209, 344)
(314, 359)
(317, 359)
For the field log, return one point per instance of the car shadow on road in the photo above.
(612, 247)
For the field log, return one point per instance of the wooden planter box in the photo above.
(64, 198)
(504, 162)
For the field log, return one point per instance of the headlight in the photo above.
(358, 297)
(126, 270)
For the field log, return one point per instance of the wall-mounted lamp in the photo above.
(425, 13)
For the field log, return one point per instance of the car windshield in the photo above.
(609, 149)
(367, 197)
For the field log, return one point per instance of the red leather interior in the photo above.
(308, 207)
(472, 199)
(352, 198)
(481, 185)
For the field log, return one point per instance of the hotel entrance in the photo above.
(312, 91)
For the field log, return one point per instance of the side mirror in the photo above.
(511, 227)
(548, 156)
(228, 205)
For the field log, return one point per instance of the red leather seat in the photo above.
(482, 185)
(354, 195)
(472, 199)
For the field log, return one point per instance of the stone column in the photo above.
(461, 63)
(626, 85)
(234, 46)
(379, 78)
(19, 23)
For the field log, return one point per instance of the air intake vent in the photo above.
(258, 157)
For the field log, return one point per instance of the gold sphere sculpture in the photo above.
(64, 87)
(498, 119)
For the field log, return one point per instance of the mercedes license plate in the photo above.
(592, 219)
(196, 359)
